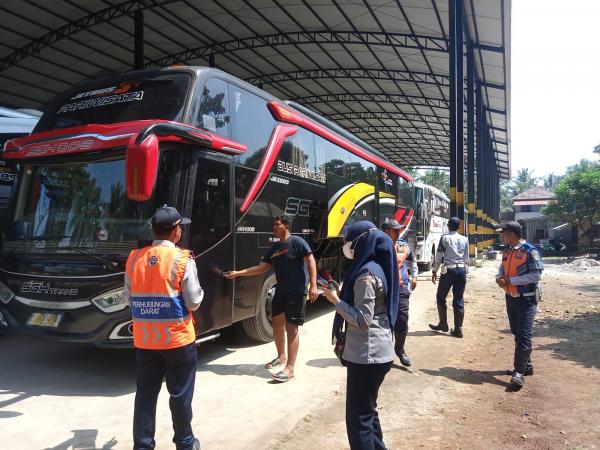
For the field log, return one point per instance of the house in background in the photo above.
(527, 207)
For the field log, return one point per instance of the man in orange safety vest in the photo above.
(162, 289)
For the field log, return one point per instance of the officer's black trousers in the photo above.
(362, 389)
(178, 367)
(521, 314)
(455, 279)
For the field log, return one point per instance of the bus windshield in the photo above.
(158, 96)
(78, 206)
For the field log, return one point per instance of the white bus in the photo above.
(432, 210)
(13, 123)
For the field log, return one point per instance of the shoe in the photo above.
(443, 324)
(459, 316)
(282, 377)
(516, 380)
(399, 340)
(404, 359)
(196, 444)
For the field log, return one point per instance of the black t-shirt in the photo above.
(287, 258)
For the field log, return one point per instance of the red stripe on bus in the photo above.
(278, 136)
(283, 114)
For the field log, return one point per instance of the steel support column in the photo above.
(138, 40)
(456, 17)
(471, 150)
(480, 144)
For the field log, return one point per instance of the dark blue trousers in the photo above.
(362, 421)
(456, 279)
(178, 367)
(521, 314)
(401, 325)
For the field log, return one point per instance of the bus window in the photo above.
(331, 158)
(362, 170)
(299, 149)
(252, 124)
(214, 108)
(210, 214)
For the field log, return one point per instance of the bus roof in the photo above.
(433, 189)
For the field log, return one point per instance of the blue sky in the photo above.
(555, 83)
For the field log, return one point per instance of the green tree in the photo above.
(506, 195)
(577, 199)
(582, 166)
(551, 180)
(437, 178)
(523, 180)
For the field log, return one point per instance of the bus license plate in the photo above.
(45, 320)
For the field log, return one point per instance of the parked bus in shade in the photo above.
(226, 154)
(432, 211)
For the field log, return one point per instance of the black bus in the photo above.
(228, 155)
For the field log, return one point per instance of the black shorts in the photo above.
(294, 307)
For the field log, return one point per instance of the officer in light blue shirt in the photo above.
(453, 257)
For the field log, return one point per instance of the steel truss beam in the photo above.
(392, 115)
(399, 129)
(126, 8)
(429, 43)
(358, 73)
(426, 145)
(377, 97)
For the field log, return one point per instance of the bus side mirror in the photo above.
(141, 167)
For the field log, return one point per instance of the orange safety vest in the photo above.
(161, 320)
(402, 266)
(515, 261)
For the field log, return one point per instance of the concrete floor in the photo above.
(62, 396)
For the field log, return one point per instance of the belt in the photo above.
(527, 294)
(453, 266)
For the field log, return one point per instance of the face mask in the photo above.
(348, 250)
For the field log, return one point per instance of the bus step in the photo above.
(210, 337)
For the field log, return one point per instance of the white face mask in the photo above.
(347, 250)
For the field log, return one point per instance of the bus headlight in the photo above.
(111, 301)
(6, 295)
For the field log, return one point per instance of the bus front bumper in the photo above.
(87, 325)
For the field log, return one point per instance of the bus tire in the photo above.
(259, 327)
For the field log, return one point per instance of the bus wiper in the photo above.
(107, 263)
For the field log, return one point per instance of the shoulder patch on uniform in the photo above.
(153, 260)
(535, 254)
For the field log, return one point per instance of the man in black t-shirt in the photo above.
(290, 258)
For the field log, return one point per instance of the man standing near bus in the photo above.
(162, 289)
(290, 258)
(453, 256)
(519, 275)
(407, 266)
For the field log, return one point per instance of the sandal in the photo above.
(282, 377)
(275, 363)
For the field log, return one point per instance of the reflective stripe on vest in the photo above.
(515, 262)
(160, 318)
(404, 278)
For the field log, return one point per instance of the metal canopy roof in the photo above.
(377, 67)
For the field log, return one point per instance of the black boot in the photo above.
(459, 316)
(400, 339)
(443, 324)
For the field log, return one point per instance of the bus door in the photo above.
(211, 239)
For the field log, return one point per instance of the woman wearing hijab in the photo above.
(368, 306)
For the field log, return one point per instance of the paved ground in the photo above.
(66, 397)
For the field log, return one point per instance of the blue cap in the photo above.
(167, 217)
